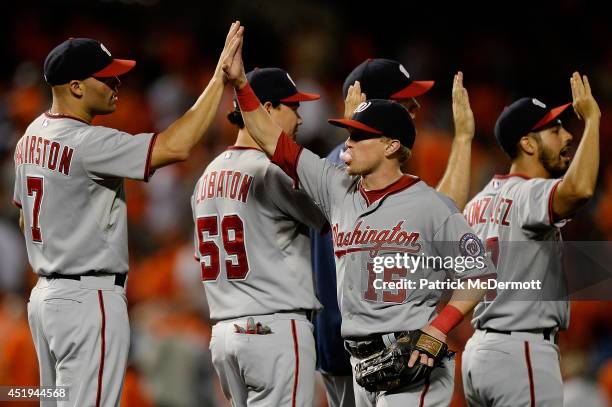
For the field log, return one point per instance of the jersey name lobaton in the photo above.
(224, 184)
(44, 153)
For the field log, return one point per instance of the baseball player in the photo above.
(378, 79)
(253, 246)
(519, 216)
(69, 188)
(375, 210)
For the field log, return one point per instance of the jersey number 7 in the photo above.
(36, 188)
(232, 234)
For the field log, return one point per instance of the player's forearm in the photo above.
(578, 184)
(257, 121)
(176, 142)
(456, 180)
(461, 303)
(466, 299)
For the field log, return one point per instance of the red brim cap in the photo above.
(116, 68)
(416, 88)
(550, 116)
(302, 97)
(353, 124)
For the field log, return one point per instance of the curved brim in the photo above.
(353, 124)
(416, 88)
(116, 68)
(302, 97)
(550, 116)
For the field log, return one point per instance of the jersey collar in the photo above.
(405, 181)
(516, 174)
(50, 115)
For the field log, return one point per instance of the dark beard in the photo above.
(552, 163)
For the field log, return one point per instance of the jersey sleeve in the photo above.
(18, 190)
(534, 206)
(110, 152)
(293, 202)
(324, 182)
(455, 239)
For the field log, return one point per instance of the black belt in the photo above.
(119, 277)
(368, 345)
(547, 333)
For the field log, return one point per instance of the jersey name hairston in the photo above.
(224, 184)
(375, 240)
(44, 153)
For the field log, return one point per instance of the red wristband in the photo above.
(447, 319)
(247, 99)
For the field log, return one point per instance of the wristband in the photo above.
(247, 99)
(447, 319)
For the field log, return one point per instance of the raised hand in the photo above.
(234, 68)
(462, 112)
(584, 103)
(233, 41)
(354, 98)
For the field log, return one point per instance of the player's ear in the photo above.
(528, 144)
(392, 147)
(268, 106)
(76, 88)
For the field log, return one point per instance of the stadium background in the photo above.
(505, 50)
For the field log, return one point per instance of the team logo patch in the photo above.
(496, 184)
(538, 103)
(105, 50)
(362, 106)
(404, 71)
(470, 245)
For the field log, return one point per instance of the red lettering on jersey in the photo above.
(247, 180)
(506, 212)
(53, 153)
(211, 185)
(32, 147)
(482, 215)
(38, 141)
(234, 187)
(228, 176)
(64, 165)
(219, 193)
(374, 240)
(45, 144)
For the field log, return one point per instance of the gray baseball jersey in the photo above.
(251, 237)
(513, 216)
(69, 183)
(406, 217)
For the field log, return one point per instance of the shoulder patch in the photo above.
(470, 245)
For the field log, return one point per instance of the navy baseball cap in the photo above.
(385, 79)
(381, 117)
(522, 117)
(275, 85)
(80, 58)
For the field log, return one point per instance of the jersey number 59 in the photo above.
(232, 234)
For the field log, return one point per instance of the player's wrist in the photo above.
(247, 99)
(447, 319)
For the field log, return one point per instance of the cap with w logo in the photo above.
(80, 58)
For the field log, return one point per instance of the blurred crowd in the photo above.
(318, 44)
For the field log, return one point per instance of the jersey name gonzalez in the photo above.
(374, 240)
(489, 210)
(224, 184)
(44, 153)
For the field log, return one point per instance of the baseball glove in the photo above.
(388, 369)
